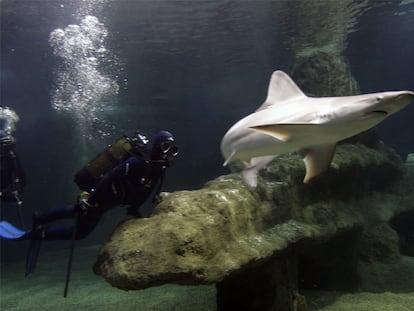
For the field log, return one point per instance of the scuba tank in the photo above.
(125, 147)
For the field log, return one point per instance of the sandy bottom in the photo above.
(44, 291)
(339, 301)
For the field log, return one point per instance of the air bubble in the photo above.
(85, 86)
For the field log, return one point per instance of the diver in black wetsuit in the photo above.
(122, 175)
(129, 183)
(12, 175)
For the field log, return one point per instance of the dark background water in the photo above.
(193, 67)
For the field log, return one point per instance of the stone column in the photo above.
(268, 285)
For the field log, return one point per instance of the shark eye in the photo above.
(379, 98)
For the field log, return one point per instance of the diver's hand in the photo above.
(83, 207)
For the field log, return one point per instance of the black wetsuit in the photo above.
(130, 183)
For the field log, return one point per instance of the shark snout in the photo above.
(389, 103)
(406, 97)
(403, 100)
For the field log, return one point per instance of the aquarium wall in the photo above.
(82, 73)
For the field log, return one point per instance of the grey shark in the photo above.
(290, 121)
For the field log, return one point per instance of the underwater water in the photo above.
(81, 73)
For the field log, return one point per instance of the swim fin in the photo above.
(32, 255)
(10, 232)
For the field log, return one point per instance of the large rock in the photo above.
(232, 236)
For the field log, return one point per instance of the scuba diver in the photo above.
(12, 175)
(126, 173)
(129, 183)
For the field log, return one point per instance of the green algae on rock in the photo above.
(209, 235)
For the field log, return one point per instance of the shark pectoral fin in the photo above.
(287, 131)
(317, 160)
(250, 173)
(279, 132)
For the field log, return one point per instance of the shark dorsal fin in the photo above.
(281, 88)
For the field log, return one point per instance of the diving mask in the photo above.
(169, 148)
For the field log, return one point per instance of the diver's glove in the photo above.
(83, 207)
